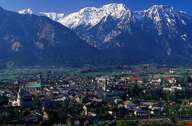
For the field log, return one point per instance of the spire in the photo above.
(19, 97)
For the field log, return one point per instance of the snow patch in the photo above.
(184, 37)
(52, 15)
(25, 11)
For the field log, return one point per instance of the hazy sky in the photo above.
(68, 6)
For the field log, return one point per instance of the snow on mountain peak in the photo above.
(116, 10)
(115, 6)
(52, 15)
(159, 10)
(25, 11)
(90, 16)
(161, 7)
(88, 9)
(164, 17)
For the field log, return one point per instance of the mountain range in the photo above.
(110, 35)
(99, 26)
(158, 34)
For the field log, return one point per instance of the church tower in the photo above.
(19, 97)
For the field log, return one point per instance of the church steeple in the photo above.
(19, 97)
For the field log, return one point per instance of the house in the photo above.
(158, 80)
(32, 86)
(171, 80)
(136, 80)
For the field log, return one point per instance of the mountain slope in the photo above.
(34, 40)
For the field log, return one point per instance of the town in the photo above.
(140, 95)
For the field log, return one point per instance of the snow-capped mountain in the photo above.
(54, 16)
(172, 26)
(25, 11)
(91, 16)
(99, 26)
(161, 29)
(166, 18)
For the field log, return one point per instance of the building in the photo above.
(33, 86)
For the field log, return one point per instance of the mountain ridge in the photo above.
(125, 18)
(159, 34)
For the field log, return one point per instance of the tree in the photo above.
(3, 100)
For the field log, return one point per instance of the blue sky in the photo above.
(68, 6)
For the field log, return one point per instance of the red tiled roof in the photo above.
(188, 124)
(135, 79)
